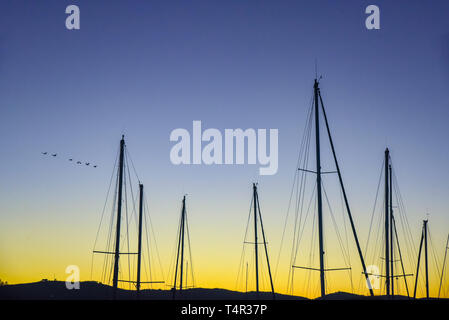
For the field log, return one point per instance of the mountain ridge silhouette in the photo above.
(91, 290)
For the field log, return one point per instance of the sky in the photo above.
(144, 68)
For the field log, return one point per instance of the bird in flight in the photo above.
(70, 159)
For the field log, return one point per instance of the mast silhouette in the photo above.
(180, 251)
(256, 254)
(317, 95)
(444, 264)
(119, 217)
(387, 221)
(391, 233)
(426, 259)
(423, 239)
(139, 248)
(391, 239)
(319, 196)
(116, 252)
(256, 244)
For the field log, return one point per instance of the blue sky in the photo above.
(144, 68)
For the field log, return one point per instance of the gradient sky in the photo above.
(144, 68)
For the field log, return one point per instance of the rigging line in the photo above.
(243, 245)
(298, 209)
(303, 182)
(107, 260)
(299, 226)
(376, 239)
(154, 237)
(148, 260)
(285, 227)
(311, 251)
(408, 241)
(300, 195)
(400, 257)
(432, 247)
(340, 240)
(405, 226)
(265, 244)
(146, 217)
(349, 271)
(132, 164)
(171, 267)
(398, 191)
(377, 249)
(444, 264)
(289, 204)
(375, 205)
(301, 232)
(346, 239)
(102, 214)
(133, 201)
(127, 224)
(190, 250)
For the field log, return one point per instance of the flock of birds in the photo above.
(70, 159)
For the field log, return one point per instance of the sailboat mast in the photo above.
(318, 181)
(419, 260)
(139, 252)
(425, 258)
(256, 253)
(179, 247)
(391, 233)
(119, 216)
(387, 220)
(265, 246)
(348, 209)
(444, 264)
(183, 217)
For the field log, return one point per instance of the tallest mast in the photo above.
(318, 182)
(387, 220)
(119, 217)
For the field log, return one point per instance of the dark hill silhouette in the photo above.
(90, 290)
(352, 296)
